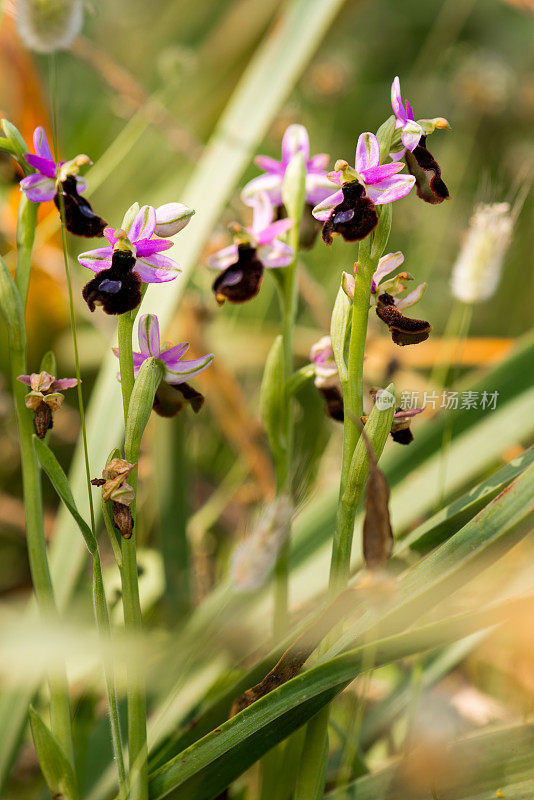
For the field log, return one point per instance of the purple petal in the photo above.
(40, 143)
(409, 111)
(396, 100)
(223, 258)
(157, 269)
(387, 264)
(64, 383)
(318, 163)
(318, 187)
(269, 165)
(144, 224)
(81, 184)
(367, 152)
(42, 165)
(295, 140)
(185, 370)
(269, 183)
(323, 210)
(97, 260)
(38, 188)
(376, 174)
(335, 177)
(109, 233)
(148, 332)
(25, 379)
(276, 254)
(274, 230)
(146, 247)
(171, 356)
(262, 213)
(390, 189)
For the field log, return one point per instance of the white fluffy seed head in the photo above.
(48, 25)
(478, 267)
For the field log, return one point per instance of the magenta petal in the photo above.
(148, 332)
(323, 209)
(409, 111)
(274, 230)
(295, 140)
(396, 100)
(38, 188)
(146, 247)
(109, 233)
(25, 379)
(42, 165)
(269, 164)
(40, 143)
(185, 370)
(144, 224)
(319, 162)
(64, 383)
(375, 174)
(367, 152)
(156, 269)
(275, 254)
(390, 189)
(97, 260)
(172, 356)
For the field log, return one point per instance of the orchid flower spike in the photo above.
(351, 211)
(295, 140)
(133, 256)
(412, 143)
(254, 249)
(327, 377)
(45, 398)
(53, 181)
(173, 392)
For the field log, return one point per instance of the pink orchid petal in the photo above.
(43, 165)
(40, 143)
(97, 260)
(396, 100)
(318, 162)
(399, 155)
(412, 297)
(410, 138)
(276, 254)
(387, 264)
(171, 356)
(375, 174)
(64, 383)
(318, 187)
(323, 210)
(25, 379)
(367, 152)
(157, 269)
(146, 247)
(109, 233)
(274, 230)
(185, 370)
(335, 177)
(223, 258)
(148, 333)
(269, 183)
(409, 111)
(262, 213)
(390, 189)
(144, 224)
(295, 140)
(38, 188)
(269, 164)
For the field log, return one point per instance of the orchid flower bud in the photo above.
(171, 218)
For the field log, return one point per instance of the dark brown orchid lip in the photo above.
(404, 330)
(333, 403)
(354, 218)
(80, 219)
(122, 519)
(43, 420)
(241, 281)
(117, 289)
(427, 173)
(170, 399)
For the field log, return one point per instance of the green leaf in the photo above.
(54, 764)
(340, 331)
(11, 309)
(60, 482)
(385, 135)
(272, 398)
(141, 402)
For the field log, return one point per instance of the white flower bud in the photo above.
(478, 267)
(171, 218)
(49, 25)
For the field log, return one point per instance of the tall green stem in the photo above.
(136, 694)
(26, 224)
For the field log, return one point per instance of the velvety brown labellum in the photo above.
(404, 330)
(43, 420)
(122, 519)
(402, 435)
(80, 218)
(241, 281)
(334, 403)
(377, 532)
(98, 481)
(427, 173)
(354, 218)
(309, 226)
(117, 289)
(169, 400)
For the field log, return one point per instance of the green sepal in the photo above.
(294, 187)
(17, 146)
(60, 482)
(385, 137)
(377, 428)
(272, 398)
(141, 402)
(340, 332)
(48, 363)
(11, 309)
(129, 217)
(382, 231)
(55, 766)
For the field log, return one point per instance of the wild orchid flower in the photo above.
(327, 377)
(52, 180)
(133, 256)
(402, 417)
(295, 140)
(45, 398)
(350, 211)
(420, 162)
(254, 249)
(116, 489)
(173, 392)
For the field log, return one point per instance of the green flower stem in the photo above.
(136, 693)
(26, 225)
(42, 584)
(102, 618)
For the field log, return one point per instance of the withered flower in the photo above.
(404, 330)
(44, 398)
(116, 489)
